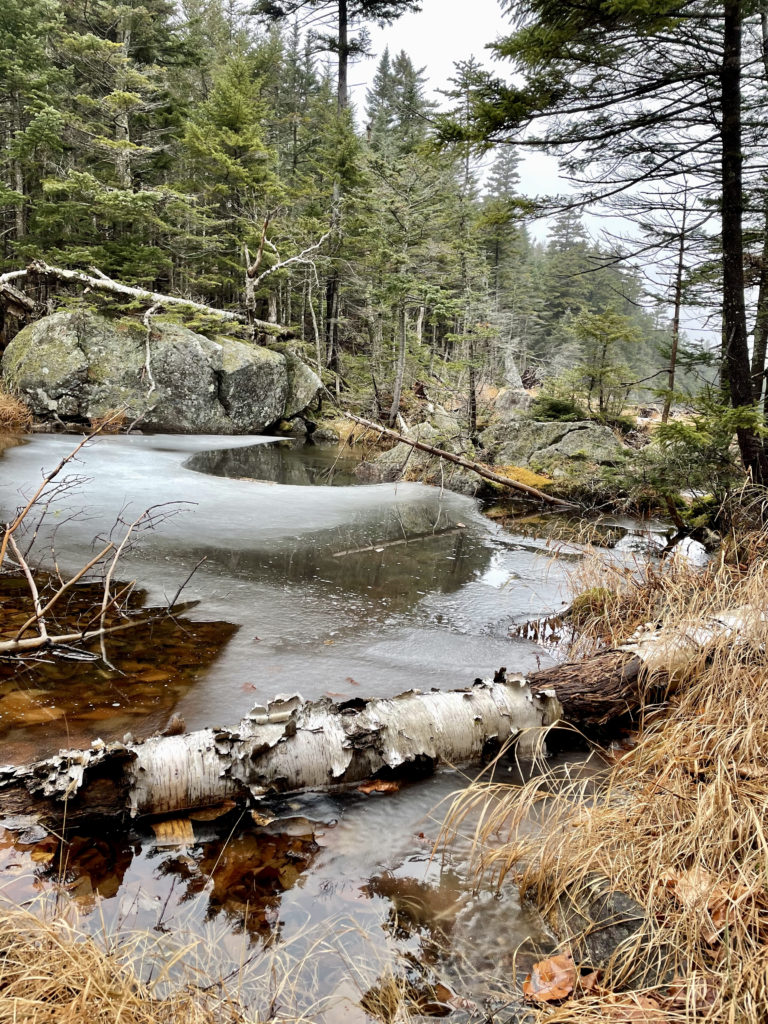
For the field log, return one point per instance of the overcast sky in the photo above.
(444, 32)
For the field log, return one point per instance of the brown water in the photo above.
(342, 590)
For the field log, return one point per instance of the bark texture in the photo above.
(290, 745)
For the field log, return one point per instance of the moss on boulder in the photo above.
(77, 366)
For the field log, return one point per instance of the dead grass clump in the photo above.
(14, 414)
(679, 823)
(50, 973)
(521, 474)
(112, 421)
(352, 434)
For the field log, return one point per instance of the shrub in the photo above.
(563, 410)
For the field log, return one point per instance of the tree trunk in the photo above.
(122, 122)
(402, 339)
(343, 65)
(289, 746)
(332, 322)
(734, 313)
(292, 745)
(472, 388)
(678, 300)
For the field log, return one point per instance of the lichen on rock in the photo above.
(78, 365)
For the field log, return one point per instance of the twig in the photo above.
(35, 642)
(33, 589)
(62, 590)
(12, 527)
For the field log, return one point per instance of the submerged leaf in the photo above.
(379, 786)
(551, 980)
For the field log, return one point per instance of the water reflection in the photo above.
(66, 697)
(281, 464)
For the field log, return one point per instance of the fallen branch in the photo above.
(99, 281)
(475, 467)
(293, 745)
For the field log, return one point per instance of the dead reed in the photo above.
(14, 414)
(52, 974)
(678, 821)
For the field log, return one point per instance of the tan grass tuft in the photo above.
(51, 974)
(14, 414)
(680, 822)
(112, 421)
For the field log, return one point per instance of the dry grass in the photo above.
(679, 821)
(112, 421)
(51, 973)
(14, 415)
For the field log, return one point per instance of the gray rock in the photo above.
(547, 444)
(80, 365)
(405, 462)
(325, 435)
(303, 385)
(510, 403)
(606, 926)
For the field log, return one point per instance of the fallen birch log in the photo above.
(293, 745)
(475, 467)
(288, 746)
(101, 282)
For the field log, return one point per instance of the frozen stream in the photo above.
(285, 564)
(347, 590)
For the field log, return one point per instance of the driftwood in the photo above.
(101, 282)
(475, 467)
(293, 745)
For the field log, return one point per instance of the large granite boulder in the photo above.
(77, 366)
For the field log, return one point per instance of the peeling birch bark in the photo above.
(293, 745)
(289, 746)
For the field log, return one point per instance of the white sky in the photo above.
(446, 31)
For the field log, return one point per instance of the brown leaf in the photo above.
(551, 979)
(211, 813)
(697, 993)
(379, 786)
(699, 893)
(634, 1010)
(174, 832)
(588, 982)
(44, 851)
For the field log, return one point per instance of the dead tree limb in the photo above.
(16, 522)
(475, 467)
(100, 282)
(293, 745)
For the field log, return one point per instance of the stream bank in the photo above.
(362, 588)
